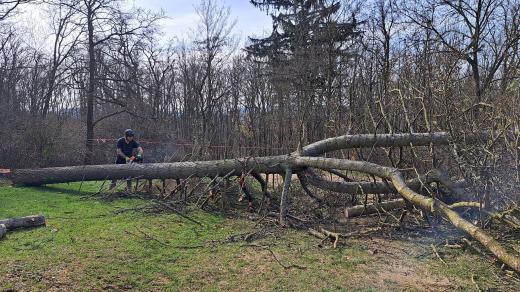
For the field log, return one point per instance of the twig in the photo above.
(81, 184)
(261, 219)
(437, 254)
(275, 258)
(148, 237)
(152, 238)
(401, 218)
(179, 185)
(177, 212)
(332, 235)
(475, 282)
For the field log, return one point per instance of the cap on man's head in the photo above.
(129, 133)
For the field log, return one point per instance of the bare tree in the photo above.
(215, 44)
(9, 6)
(66, 37)
(480, 32)
(103, 21)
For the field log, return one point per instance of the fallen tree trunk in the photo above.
(177, 170)
(23, 222)
(387, 140)
(417, 199)
(368, 209)
(360, 210)
(181, 170)
(359, 188)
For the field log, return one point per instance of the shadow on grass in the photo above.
(71, 190)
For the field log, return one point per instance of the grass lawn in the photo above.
(87, 245)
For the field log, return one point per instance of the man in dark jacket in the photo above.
(128, 151)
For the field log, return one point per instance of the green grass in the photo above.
(87, 246)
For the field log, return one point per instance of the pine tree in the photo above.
(310, 32)
(309, 41)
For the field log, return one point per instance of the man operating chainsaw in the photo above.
(128, 151)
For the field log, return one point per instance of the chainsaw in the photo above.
(135, 159)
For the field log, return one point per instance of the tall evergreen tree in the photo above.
(309, 41)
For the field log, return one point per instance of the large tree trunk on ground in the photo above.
(221, 167)
(177, 170)
(23, 222)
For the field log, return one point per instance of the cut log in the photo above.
(3, 231)
(23, 222)
(360, 210)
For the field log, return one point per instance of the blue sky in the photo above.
(182, 17)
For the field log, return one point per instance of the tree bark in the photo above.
(211, 168)
(363, 187)
(23, 222)
(177, 170)
(3, 231)
(374, 208)
(386, 140)
(284, 200)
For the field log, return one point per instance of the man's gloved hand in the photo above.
(139, 157)
(132, 158)
(127, 159)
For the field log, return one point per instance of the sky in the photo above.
(182, 18)
(179, 24)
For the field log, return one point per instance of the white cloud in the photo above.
(180, 23)
(182, 19)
